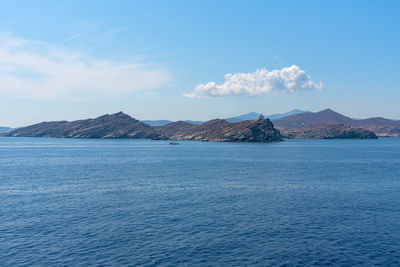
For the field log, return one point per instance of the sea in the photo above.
(88, 202)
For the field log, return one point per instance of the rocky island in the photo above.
(325, 124)
(121, 125)
(118, 125)
(261, 130)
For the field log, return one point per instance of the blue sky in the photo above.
(78, 59)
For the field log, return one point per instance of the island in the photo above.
(121, 125)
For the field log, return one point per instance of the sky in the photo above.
(198, 60)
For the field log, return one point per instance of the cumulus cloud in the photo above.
(38, 70)
(287, 80)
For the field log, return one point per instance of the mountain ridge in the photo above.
(243, 117)
(121, 125)
(220, 130)
(323, 124)
(4, 129)
(118, 125)
(381, 126)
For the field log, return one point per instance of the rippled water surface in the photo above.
(66, 202)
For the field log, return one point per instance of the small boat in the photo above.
(174, 142)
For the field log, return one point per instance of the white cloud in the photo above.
(190, 95)
(287, 80)
(38, 70)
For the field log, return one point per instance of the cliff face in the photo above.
(222, 131)
(329, 132)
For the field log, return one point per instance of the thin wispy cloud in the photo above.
(38, 70)
(286, 80)
(74, 37)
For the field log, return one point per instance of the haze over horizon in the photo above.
(198, 61)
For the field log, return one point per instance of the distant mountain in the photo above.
(281, 115)
(248, 116)
(5, 129)
(165, 122)
(326, 116)
(380, 126)
(194, 122)
(156, 122)
(244, 117)
(255, 115)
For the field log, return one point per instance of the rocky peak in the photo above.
(121, 115)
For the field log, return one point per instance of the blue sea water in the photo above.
(69, 202)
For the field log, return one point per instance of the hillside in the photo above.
(332, 131)
(324, 124)
(261, 130)
(326, 116)
(118, 125)
(380, 126)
